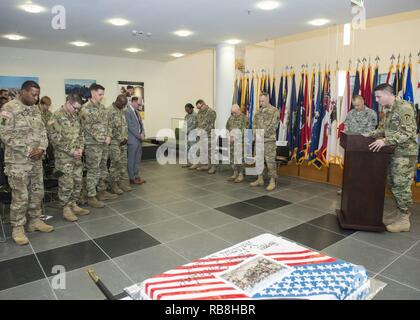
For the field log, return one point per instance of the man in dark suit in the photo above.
(136, 136)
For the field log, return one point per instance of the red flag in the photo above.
(368, 89)
(363, 84)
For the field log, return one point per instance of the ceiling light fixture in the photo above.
(118, 22)
(133, 50)
(14, 37)
(268, 5)
(183, 33)
(233, 41)
(32, 8)
(177, 55)
(79, 43)
(319, 22)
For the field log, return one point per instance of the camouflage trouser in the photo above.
(400, 178)
(70, 183)
(27, 184)
(236, 155)
(119, 163)
(270, 152)
(96, 166)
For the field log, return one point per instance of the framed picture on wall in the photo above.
(133, 89)
(79, 86)
(13, 84)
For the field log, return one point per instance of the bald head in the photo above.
(121, 101)
(235, 110)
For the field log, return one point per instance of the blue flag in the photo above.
(316, 128)
(409, 94)
(273, 94)
(375, 105)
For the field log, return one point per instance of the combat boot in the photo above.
(39, 225)
(18, 236)
(82, 200)
(105, 195)
(193, 167)
(68, 214)
(390, 217)
(212, 170)
(240, 178)
(272, 185)
(79, 211)
(203, 168)
(235, 175)
(402, 224)
(94, 203)
(257, 183)
(124, 186)
(116, 189)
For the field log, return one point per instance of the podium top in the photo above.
(359, 143)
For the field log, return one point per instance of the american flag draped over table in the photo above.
(313, 275)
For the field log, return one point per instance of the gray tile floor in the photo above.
(177, 207)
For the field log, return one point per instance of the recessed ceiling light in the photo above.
(183, 33)
(118, 22)
(14, 37)
(32, 8)
(133, 50)
(233, 41)
(79, 43)
(268, 5)
(319, 22)
(177, 55)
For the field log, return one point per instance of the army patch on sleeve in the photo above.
(407, 117)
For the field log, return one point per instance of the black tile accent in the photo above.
(126, 242)
(267, 202)
(72, 257)
(330, 222)
(241, 210)
(15, 272)
(311, 236)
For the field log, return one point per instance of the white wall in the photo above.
(168, 85)
(188, 79)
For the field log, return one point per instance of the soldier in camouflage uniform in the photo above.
(66, 136)
(206, 118)
(25, 138)
(268, 119)
(190, 123)
(44, 108)
(361, 119)
(397, 128)
(46, 114)
(240, 122)
(118, 170)
(94, 118)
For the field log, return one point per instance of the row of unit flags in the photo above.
(312, 113)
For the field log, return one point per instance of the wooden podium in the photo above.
(364, 180)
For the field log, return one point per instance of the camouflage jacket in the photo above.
(399, 128)
(46, 116)
(95, 123)
(118, 124)
(206, 119)
(190, 122)
(21, 130)
(360, 122)
(241, 123)
(267, 118)
(65, 134)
